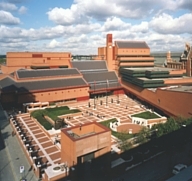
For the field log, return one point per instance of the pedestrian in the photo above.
(13, 133)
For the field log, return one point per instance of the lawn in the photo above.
(146, 115)
(119, 135)
(40, 118)
(53, 113)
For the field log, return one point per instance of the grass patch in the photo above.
(39, 116)
(119, 135)
(53, 113)
(146, 115)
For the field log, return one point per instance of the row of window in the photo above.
(133, 51)
(63, 92)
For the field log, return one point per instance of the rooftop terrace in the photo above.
(84, 130)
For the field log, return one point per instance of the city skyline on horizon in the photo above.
(80, 26)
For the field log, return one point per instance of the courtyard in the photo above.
(116, 107)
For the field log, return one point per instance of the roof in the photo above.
(131, 44)
(102, 80)
(24, 73)
(9, 85)
(88, 130)
(179, 88)
(90, 65)
(100, 76)
(104, 86)
(150, 68)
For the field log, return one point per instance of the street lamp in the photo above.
(117, 94)
(107, 85)
(94, 96)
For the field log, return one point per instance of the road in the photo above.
(160, 167)
(6, 173)
(12, 155)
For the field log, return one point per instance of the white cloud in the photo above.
(83, 26)
(83, 11)
(114, 23)
(7, 6)
(22, 10)
(66, 16)
(46, 32)
(53, 44)
(165, 23)
(140, 28)
(122, 8)
(8, 18)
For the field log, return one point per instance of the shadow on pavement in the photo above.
(2, 144)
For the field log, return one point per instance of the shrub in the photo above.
(53, 113)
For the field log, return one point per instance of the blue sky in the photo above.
(80, 26)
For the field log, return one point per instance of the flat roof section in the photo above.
(24, 73)
(179, 88)
(84, 130)
(150, 69)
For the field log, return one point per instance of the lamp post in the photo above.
(117, 94)
(94, 96)
(107, 85)
(16, 99)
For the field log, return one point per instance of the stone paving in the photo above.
(120, 108)
(50, 151)
(102, 112)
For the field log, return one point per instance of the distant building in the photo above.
(123, 54)
(86, 79)
(140, 79)
(186, 59)
(120, 66)
(35, 60)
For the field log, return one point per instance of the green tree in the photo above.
(144, 135)
(124, 143)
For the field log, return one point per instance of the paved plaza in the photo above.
(112, 109)
(117, 106)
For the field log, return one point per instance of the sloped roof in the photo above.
(90, 66)
(9, 85)
(131, 44)
(105, 85)
(100, 76)
(102, 80)
(46, 72)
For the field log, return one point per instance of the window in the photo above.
(37, 55)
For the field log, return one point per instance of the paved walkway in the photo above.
(12, 155)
